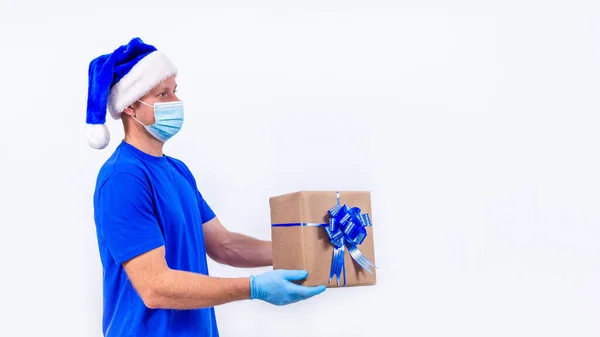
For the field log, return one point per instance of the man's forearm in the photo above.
(175, 289)
(243, 251)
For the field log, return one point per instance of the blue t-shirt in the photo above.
(142, 202)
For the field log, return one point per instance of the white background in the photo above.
(473, 124)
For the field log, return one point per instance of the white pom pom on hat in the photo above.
(98, 136)
(117, 80)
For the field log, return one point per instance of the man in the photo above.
(153, 225)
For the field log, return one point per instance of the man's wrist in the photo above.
(252, 287)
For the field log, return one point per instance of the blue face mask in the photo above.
(168, 119)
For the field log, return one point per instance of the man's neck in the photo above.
(150, 146)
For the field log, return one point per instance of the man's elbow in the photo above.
(221, 251)
(220, 256)
(151, 277)
(153, 293)
(152, 299)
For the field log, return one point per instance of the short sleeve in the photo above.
(125, 217)
(206, 213)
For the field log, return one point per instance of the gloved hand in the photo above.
(275, 287)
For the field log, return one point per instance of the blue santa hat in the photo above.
(117, 80)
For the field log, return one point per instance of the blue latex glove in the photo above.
(275, 287)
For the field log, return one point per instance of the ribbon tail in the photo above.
(337, 265)
(360, 258)
(344, 269)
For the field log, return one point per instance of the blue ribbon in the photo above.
(346, 228)
(300, 224)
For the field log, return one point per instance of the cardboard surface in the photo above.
(308, 247)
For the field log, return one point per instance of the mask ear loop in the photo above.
(137, 120)
(146, 104)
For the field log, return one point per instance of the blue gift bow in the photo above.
(346, 228)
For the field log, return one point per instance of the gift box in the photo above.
(327, 233)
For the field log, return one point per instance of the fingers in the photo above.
(307, 292)
(294, 275)
(304, 291)
(312, 291)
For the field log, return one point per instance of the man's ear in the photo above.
(129, 111)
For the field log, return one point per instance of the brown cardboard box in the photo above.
(299, 244)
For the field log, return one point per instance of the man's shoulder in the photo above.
(183, 169)
(177, 162)
(121, 163)
(180, 165)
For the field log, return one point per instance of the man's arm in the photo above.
(126, 222)
(235, 249)
(162, 287)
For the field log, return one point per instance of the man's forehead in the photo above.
(166, 85)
